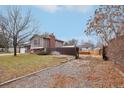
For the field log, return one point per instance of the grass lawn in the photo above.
(12, 67)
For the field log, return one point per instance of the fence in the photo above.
(91, 52)
(62, 50)
(65, 50)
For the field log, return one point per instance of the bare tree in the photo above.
(46, 34)
(71, 42)
(99, 44)
(18, 25)
(87, 45)
(4, 42)
(107, 22)
(4, 36)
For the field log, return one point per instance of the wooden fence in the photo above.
(91, 52)
(62, 50)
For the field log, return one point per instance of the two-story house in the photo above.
(42, 41)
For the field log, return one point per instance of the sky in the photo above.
(66, 22)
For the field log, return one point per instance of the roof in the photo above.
(34, 36)
(59, 40)
(45, 37)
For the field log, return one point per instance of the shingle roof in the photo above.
(45, 37)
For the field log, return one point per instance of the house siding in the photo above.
(45, 42)
(36, 42)
(59, 44)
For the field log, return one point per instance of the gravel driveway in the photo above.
(84, 72)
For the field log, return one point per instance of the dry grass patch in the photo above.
(12, 67)
(61, 81)
(104, 75)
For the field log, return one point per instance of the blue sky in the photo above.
(66, 22)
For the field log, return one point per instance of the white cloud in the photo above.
(79, 8)
(55, 8)
(49, 8)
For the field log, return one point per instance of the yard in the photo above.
(12, 67)
(87, 71)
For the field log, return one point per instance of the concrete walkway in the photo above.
(7, 54)
(84, 72)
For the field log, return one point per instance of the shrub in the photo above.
(115, 50)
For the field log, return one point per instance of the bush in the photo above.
(115, 50)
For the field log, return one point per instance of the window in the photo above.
(37, 42)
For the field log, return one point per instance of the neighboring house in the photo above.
(23, 48)
(86, 46)
(42, 41)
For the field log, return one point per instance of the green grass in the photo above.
(12, 67)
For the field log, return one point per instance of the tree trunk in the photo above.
(15, 50)
(104, 53)
(76, 53)
(15, 45)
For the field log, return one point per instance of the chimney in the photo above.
(52, 40)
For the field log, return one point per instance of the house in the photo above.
(86, 46)
(23, 48)
(45, 41)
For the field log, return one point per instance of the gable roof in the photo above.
(41, 36)
(59, 40)
(45, 37)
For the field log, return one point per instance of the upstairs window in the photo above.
(37, 42)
